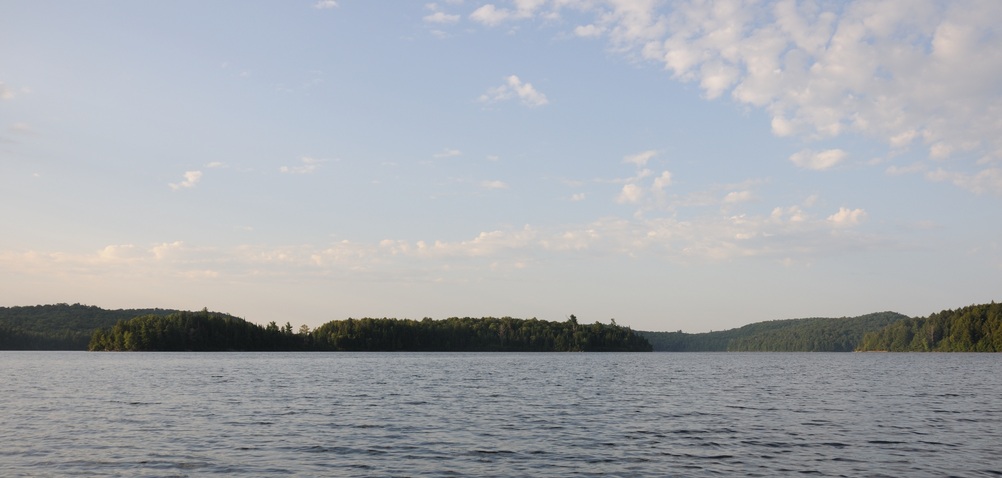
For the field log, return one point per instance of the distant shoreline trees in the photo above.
(81, 327)
(791, 335)
(975, 328)
(206, 331)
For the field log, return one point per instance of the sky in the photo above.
(683, 165)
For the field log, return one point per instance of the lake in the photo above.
(500, 414)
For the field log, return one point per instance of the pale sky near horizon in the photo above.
(673, 165)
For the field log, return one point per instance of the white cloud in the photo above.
(790, 214)
(490, 15)
(493, 184)
(122, 252)
(5, 92)
(441, 18)
(588, 31)
(630, 194)
(847, 217)
(325, 4)
(640, 159)
(448, 153)
(662, 181)
(8, 93)
(191, 178)
(164, 250)
(818, 161)
(736, 197)
(307, 165)
(515, 88)
(985, 181)
(918, 73)
(789, 232)
(578, 197)
(216, 165)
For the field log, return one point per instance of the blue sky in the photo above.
(672, 165)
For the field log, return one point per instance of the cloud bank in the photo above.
(920, 74)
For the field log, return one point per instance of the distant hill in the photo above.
(975, 328)
(59, 326)
(790, 335)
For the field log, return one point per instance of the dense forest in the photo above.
(59, 326)
(469, 334)
(205, 331)
(975, 328)
(791, 335)
(79, 327)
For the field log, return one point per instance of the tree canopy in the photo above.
(975, 328)
(790, 335)
(205, 331)
(59, 326)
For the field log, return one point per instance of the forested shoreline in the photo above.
(205, 331)
(975, 328)
(790, 335)
(59, 326)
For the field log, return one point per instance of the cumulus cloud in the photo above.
(916, 74)
(513, 88)
(191, 178)
(588, 31)
(306, 165)
(491, 15)
(662, 181)
(493, 184)
(630, 194)
(735, 197)
(818, 161)
(846, 217)
(441, 18)
(325, 4)
(640, 159)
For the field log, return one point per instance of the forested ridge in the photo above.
(789, 335)
(975, 328)
(59, 326)
(79, 327)
(205, 331)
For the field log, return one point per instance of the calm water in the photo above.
(372, 414)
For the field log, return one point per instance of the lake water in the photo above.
(473, 414)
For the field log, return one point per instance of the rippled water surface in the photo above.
(548, 414)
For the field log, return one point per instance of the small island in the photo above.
(208, 331)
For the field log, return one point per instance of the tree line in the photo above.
(207, 331)
(790, 335)
(59, 326)
(975, 328)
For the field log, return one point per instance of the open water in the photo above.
(487, 414)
